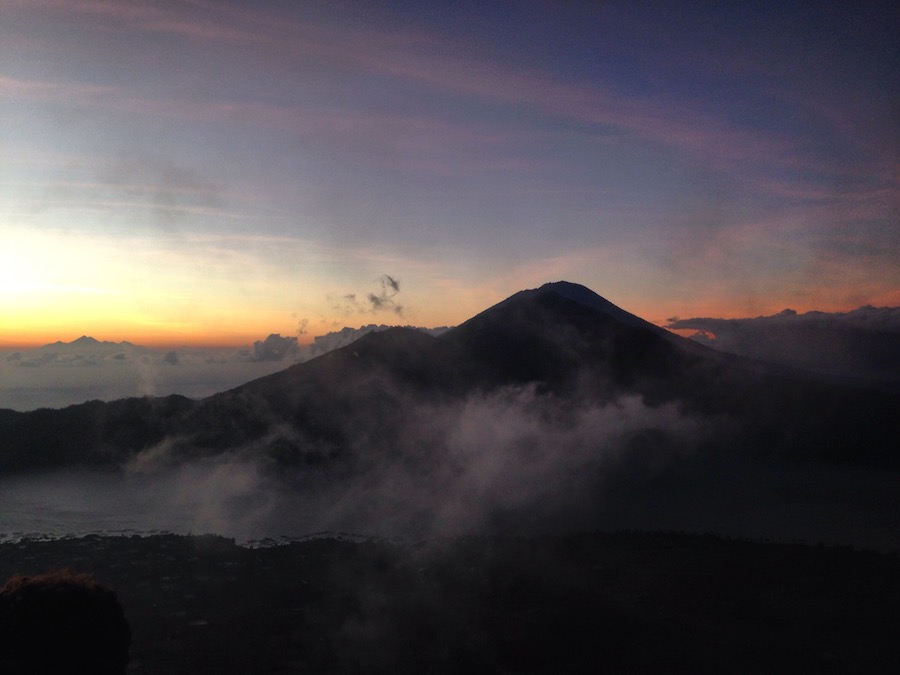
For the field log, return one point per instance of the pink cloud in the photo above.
(45, 92)
(429, 61)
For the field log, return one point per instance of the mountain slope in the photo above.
(361, 396)
(569, 346)
(566, 338)
(553, 411)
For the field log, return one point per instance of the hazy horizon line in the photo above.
(305, 339)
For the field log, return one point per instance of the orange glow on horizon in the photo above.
(143, 337)
(244, 331)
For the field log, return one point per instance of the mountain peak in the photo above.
(580, 294)
(585, 297)
(86, 342)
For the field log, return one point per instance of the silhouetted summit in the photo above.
(585, 297)
(561, 338)
(85, 341)
(567, 339)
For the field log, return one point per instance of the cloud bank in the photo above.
(512, 460)
(274, 348)
(62, 374)
(864, 342)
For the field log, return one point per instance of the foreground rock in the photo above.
(589, 603)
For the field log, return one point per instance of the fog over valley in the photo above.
(553, 411)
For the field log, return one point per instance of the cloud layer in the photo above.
(62, 374)
(864, 342)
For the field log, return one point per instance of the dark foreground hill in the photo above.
(620, 603)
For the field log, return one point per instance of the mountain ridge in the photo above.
(561, 340)
(545, 413)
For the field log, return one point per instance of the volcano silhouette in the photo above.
(561, 340)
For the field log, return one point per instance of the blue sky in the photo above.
(212, 172)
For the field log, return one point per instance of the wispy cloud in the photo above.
(657, 118)
(432, 142)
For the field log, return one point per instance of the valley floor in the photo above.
(625, 603)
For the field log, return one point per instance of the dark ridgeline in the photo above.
(569, 343)
(88, 434)
(590, 603)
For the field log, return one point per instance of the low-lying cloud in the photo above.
(57, 378)
(62, 374)
(518, 462)
(863, 343)
(512, 461)
(274, 348)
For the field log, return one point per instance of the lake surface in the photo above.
(236, 500)
(186, 501)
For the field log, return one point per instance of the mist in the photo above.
(44, 378)
(513, 462)
(511, 459)
(863, 343)
(63, 374)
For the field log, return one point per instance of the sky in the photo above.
(208, 173)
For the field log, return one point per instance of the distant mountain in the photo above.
(553, 405)
(561, 339)
(88, 343)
